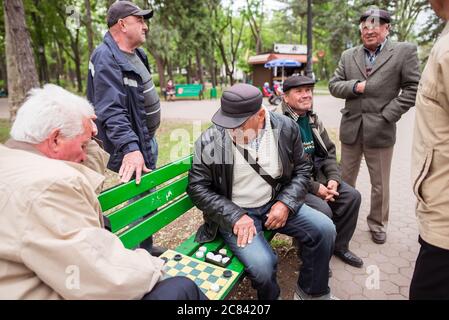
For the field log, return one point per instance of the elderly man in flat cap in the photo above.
(250, 174)
(121, 89)
(328, 193)
(379, 80)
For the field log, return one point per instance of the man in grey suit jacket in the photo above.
(379, 80)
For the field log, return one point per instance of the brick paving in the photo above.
(393, 261)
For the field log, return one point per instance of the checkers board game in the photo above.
(213, 280)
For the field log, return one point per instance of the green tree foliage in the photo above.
(206, 41)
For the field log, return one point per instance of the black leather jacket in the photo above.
(210, 178)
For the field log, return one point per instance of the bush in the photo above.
(156, 80)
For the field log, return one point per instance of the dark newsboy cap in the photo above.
(122, 9)
(383, 15)
(297, 81)
(238, 104)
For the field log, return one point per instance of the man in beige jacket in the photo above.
(52, 241)
(430, 169)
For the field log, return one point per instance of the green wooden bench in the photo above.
(167, 202)
(189, 91)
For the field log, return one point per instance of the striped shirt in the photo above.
(152, 103)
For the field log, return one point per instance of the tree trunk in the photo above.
(213, 75)
(42, 58)
(189, 70)
(169, 70)
(199, 66)
(77, 60)
(59, 63)
(3, 73)
(90, 33)
(160, 70)
(21, 68)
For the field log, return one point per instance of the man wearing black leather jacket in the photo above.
(250, 174)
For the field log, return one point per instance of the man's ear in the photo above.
(54, 140)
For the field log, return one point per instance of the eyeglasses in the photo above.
(367, 26)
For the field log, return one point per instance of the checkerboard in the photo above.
(202, 273)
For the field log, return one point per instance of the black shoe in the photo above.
(379, 237)
(156, 251)
(349, 258)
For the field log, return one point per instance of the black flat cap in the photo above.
(238, 103)
(374, 13)
(122, 9)
(297, 81)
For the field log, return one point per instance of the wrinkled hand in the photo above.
(332, 185)
(245, 230)
(327, 194)
(277, 217)
(360, 87)
(132, 162)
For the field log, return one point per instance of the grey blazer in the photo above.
(382, 104)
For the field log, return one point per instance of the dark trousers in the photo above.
(431, 276)
(344, 212)
(176, 288)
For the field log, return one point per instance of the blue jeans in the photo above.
(314, 230)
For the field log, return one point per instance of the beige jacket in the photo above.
(52, 241)
(430, 156)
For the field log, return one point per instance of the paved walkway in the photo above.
(388, 268)
(393, 261)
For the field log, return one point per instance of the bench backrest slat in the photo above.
(123, 192)
(129, 214)
(135, 235)
(188, 89)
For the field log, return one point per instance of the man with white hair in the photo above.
(52, 241)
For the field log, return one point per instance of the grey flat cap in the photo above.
(238, 103)
(297, 81)
(122, 9)
(382, 15)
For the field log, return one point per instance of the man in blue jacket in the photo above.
(122, 91)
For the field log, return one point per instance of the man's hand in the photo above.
(332, 185)
(277, 217)
(360, 87)
(132, 162)
(327, 194)
(245, 230)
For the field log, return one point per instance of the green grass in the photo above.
(279, 242)
(333, 135)
(176, 139)
(4, 130)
